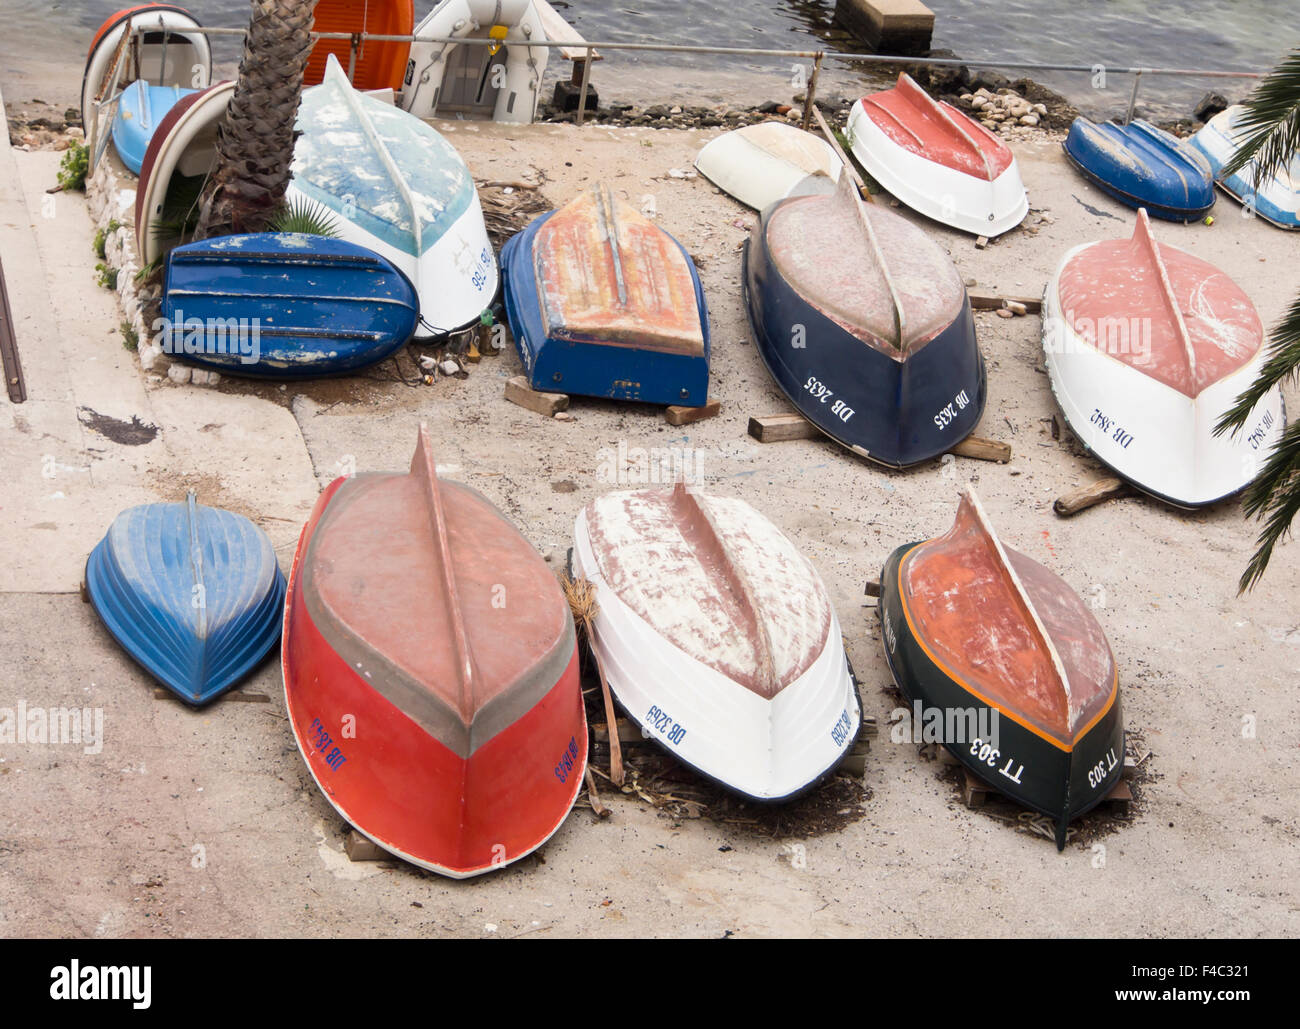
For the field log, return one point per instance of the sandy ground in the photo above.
(207, 823)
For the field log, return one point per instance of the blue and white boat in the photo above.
(139, 111)
(193, 593)
(1143, 166)
(864, 323)
(284, 305)
(395, 186)
(1276, 200)
(603, 302)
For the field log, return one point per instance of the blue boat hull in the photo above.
(1141, 166)
(284, 305)
(590, 367)
(139, 112)
(900, 412)
(192, 593)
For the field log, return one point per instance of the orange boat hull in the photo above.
(380, 63)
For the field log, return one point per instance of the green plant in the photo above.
(101, 238)
(74, 166)
(106, 276)
(1271, 124)
(130, 338)
(298, 215)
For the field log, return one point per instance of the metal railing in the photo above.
(357, 39)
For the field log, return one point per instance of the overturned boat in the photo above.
(1276, 200)
(718, 638)
(431, 671)
(603, 302)
(392, 184)
(864, 323)
(1143, 166)
(139, 112)
(1146, 348)
(284, 305)
(168, 53)
(761, 164)
(937, 160)
(1014, 662)
(192, 593)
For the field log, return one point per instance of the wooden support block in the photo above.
(1086, 496)
(992, 302)
(855, 761)
(869, 726)
(983, 449)
(973, 792)
(519, 392)
(777, 428)
(872, 589)
(981, 242)
(681, 415)
(233, 697)
(628, 732)
(1120, 797)
(946, 757)
(363, 848)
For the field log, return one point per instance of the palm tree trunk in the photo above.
(255, 139)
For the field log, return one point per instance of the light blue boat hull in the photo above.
(192, 593)
(139, 113)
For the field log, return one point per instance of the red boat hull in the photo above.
(404, 789)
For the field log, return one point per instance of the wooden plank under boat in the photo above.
(1142, 166)
(380, 63)
(192, 593)
(937, 160)
(284, 305)
(718, 638)
(603, 302)
(1146, 348)
(761, 164)
(169, 55)
(1276, 200)
(864, 323)
(394, 185)
(431, 671)
(1012, 662)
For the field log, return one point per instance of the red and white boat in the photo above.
(937, 160)
(431, 671)
(1147, 347)
(718, 638)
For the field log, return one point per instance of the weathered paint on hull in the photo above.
(895, 404)
(1026, 767)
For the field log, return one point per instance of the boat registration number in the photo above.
(820, 391)
(841, 731)
(480, 276)
(949, 412)
(324, 743)
(568, 760)
(1112, 428)
(663, 724)
(989, 755)
(1097, 773)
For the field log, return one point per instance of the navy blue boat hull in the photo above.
(197, 626)
(303, 306)
(592, 368)
(1154, 171)
(902, 412)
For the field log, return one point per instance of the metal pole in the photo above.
(1133, 97)
(352, 57)
(811, 92)
(586, 76)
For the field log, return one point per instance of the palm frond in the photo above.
(299, 215)
(1270, 124)
(1283, 364)
(1273, 498)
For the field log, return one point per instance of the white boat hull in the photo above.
(1156, 437)
(766, 749)
(764, 163)
(974, 205)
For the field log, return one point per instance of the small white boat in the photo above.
(391, 183)
(1276, 200)
(1147, 347)
(502, 83)
(761, 164)
(937, 160)
(718, 638)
